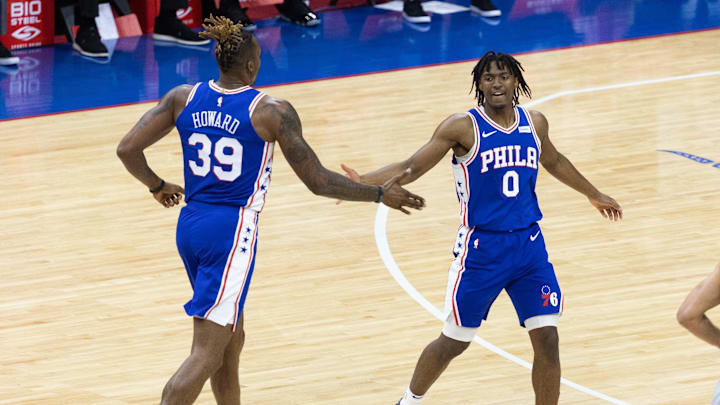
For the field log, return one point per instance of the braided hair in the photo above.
(233, 43)
(503, 61)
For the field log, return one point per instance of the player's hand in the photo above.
(170, 195)
(608, 207)
(351, 174)
(394, 196)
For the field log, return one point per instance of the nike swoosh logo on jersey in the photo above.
(533, 237)
(485, 135)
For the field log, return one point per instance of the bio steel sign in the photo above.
(29, 23)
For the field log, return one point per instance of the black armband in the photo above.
(158, 188)
(380, 194)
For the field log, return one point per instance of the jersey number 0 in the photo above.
(234, 159)
(511, 190)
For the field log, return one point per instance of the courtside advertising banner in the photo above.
(29, 23)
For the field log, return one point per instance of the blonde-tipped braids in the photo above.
(233, 42)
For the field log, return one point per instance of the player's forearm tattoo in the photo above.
(307, 166)
(290, 127)
(159, 109)
(339, 186)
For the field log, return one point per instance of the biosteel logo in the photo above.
(25, 12)
(26, 33)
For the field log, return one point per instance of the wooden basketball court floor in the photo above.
(92, 285)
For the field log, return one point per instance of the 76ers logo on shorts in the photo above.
(548, 296)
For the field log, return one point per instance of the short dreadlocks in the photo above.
(503, 61)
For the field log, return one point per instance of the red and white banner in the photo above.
(29, 23)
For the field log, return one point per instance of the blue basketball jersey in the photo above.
(225, 160)
(495, 180)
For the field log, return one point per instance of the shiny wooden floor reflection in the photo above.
(93, 287)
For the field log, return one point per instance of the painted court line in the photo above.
(389, 261)
(619, 86)
(387, 258)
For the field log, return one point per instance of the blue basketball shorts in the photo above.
(217, 244)
(488, 262)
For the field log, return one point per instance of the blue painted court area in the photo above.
(350, 41)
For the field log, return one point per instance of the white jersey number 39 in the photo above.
(234, 159)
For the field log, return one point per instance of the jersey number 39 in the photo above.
(222, 146)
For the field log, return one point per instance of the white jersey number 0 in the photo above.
(511, 190)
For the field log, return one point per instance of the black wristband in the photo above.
(380, 194)
(158, 188)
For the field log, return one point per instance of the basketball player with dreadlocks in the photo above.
(228, 130)
(496, 147)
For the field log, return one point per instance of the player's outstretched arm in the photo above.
(277, 120)
(562, 169)
(449, 134)
(691, 313)
(154, 124)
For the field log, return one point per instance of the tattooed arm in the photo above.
(277, 120)
(154, 124)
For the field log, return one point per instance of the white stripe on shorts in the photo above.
(237, 269)
(455, 275)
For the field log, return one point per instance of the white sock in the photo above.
(411, 399)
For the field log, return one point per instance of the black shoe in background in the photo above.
(88, 43)
(6, 58)
(232, 10)
(413, 12)
(296, 11)
(173, 30)
(485, 8)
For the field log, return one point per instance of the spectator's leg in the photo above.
(169, 28)
(3, 16)
(232, 10)
(87, 40)
(6, 57)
